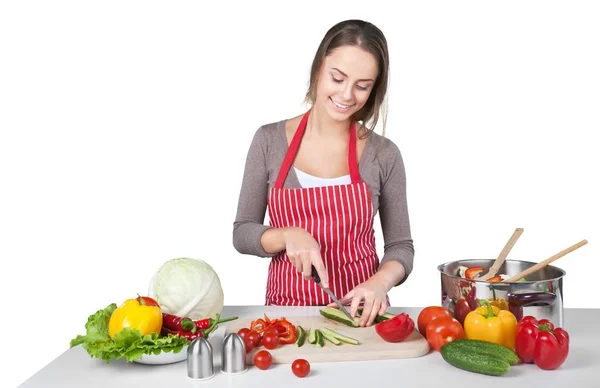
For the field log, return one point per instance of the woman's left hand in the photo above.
(373, 294)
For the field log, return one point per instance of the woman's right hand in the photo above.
(304, 252)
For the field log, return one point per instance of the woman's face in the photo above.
(346, 80)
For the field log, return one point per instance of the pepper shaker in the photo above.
(200, 359)
(233, 356)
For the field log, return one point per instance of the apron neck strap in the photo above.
(295, 145)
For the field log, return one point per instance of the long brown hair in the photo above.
(369, 38)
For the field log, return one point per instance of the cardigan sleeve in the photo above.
(393, 208)
(248, 226)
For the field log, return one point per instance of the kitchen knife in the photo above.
(317, 279)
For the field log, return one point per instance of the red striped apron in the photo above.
(340, 218)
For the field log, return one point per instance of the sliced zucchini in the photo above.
(340, 337)
(338, 316)
(320, 339)
(300, 336)
(329, 337)
(379, 318)
(312, 336)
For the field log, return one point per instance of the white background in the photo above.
(125, 126)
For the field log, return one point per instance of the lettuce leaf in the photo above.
(129, 343)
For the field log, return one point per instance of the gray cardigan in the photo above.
(381, 167)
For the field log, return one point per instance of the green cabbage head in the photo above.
(187, 288)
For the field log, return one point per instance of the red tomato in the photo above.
(272, 329)
(249, 344)
(301, 367)
(254, 337)
(428, 314)
(442, 330)
(263, 360)
(270, 340)
(243, 332)
(146, 301)
(461, 309)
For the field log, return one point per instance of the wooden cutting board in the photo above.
(371, 347)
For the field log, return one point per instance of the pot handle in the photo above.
(529, 298)
(516, 302)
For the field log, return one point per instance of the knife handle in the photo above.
(315, 275)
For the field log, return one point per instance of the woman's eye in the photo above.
(339, 81)
(361, 87)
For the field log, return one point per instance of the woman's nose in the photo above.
(347, 92)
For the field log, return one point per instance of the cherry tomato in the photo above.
(243, 332)
(270, 340)
(428, 314)
(442, 330)
(263, 360)
(254, 337)
(272, 329)
(146, 301)
(300, 367)
(249, 344)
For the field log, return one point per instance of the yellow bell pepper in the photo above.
(146, 318)
(501, 304)
(489, 323)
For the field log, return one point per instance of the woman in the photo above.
(323, 176)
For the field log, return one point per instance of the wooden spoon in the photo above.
(500, 260)
(544, 263)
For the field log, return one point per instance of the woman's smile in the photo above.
(340, 107)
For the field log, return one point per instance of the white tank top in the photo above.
(307, 180)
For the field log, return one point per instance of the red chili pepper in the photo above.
(495, 279)
(203, 324)
(175, 323)
(540, 343)
(396, 329)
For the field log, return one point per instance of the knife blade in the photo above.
(317, 279)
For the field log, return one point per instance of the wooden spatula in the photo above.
(544, 263)
(500, 260)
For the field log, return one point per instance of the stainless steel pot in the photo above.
(541, 295)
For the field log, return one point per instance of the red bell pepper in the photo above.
(395, 329)
(472, 272)
(287, 332)
(540, 343)
(495, 279)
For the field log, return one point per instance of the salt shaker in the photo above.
(200, 359)
(233, 356)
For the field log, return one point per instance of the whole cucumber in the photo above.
(474, 362)
(489, 348)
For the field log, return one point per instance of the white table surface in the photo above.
(75, 368)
